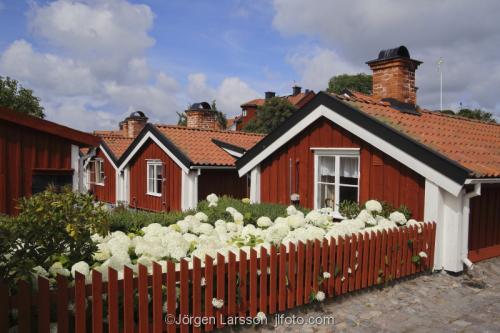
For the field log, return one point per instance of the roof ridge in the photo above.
(458, 117)
(207, 130)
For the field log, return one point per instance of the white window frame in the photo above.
(337, 153)
(244, 113)
(100, 177)
(155, 191)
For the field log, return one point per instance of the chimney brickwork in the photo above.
(133, 124)
(394, 76)
(202, 117)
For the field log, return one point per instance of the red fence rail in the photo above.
(266, 282)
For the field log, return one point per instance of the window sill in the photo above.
(99, 184)
(153, 194)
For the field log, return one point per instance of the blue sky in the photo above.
(92, 62)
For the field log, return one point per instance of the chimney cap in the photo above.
(137, 114)
(200, 106)
(269, 94)
(395, 53)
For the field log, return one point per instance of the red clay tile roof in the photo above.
(197, 144)
(115, 141)
(473, 144)
(294, 100)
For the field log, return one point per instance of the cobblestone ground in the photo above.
(440, 302)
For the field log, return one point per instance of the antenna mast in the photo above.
(440, 69)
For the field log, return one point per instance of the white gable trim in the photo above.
(401, 156)
(143, 141)
(108, 157)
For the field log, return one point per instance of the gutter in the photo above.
(465, 226)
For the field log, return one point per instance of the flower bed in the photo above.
(196, 236)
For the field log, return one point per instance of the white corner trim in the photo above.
(143, 141)
(386, 147)
(189, 190)
(232, 152)
(255, 185)
(75, 165)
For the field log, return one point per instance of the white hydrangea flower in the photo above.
(373, 206)
(183, 225)
(275, 233)
(326, 275)
(217, 303)
(291, 210)
(385, 224)
(212, 199)
(220, 223)
(320, 296)
(295, 221)
(397, 217)
(58, 269)
(264, 222)
(40, 271)
(238, 218)
(201, 216)
(422, 254)
(82, 267)
(261, 317)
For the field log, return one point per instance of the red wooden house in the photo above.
(358, 147)
(249, 109)
(168, 167)
(34, 153)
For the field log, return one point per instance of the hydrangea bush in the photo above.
(200, 234)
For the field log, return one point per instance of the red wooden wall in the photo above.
(222, 182)
(106, 192)
(22, 152)
(381, 177)
(484, 223)
(171, 198)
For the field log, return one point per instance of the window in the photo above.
(336, 177)
(99, 171)
(154, 177)
(244, 113)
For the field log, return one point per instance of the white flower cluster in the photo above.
(196, 236)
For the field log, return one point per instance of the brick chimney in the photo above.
(394, 76)
(296, 90)
(133, 124)
(201, 115)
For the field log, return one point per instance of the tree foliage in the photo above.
(270, 115)
(359, 82)
(476, 114)
(15, 97)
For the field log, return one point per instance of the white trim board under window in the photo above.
(154, 179)
(336, 177)
(99, 171)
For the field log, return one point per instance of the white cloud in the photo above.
(466, 34)
(229, 94)
(48, 72)
(318, 65)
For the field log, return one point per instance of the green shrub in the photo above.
(406, 211)
(349, 209)
(51, 225)
(130, 220)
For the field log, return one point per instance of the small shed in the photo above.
(35, 153)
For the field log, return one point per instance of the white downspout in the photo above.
(465, 225)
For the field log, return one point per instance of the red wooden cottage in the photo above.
(249, 109)
(169, 167)
(34, 153)
(358, 147)
(102, 178)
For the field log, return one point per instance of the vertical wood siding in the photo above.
(381, 176)
(23, 150)
(171, 198)
(222, 182)
(484, 223)
(106, 192)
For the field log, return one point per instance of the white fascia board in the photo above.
(482, 181)
(108, 157)
(232, 152)
(386, 147)
(143, 141)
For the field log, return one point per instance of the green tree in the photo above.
(476, 114)
(15, 97)
(221, 116)
(359, 82)
(182, 121)
(270, 115)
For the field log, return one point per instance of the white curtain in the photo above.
(327, 166)
(349, 167)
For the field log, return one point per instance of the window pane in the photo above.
(348, 193)
(326, 195)
(327, 169)
(151, 185)
(151, 171)
(158, 186)
(349, 170)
